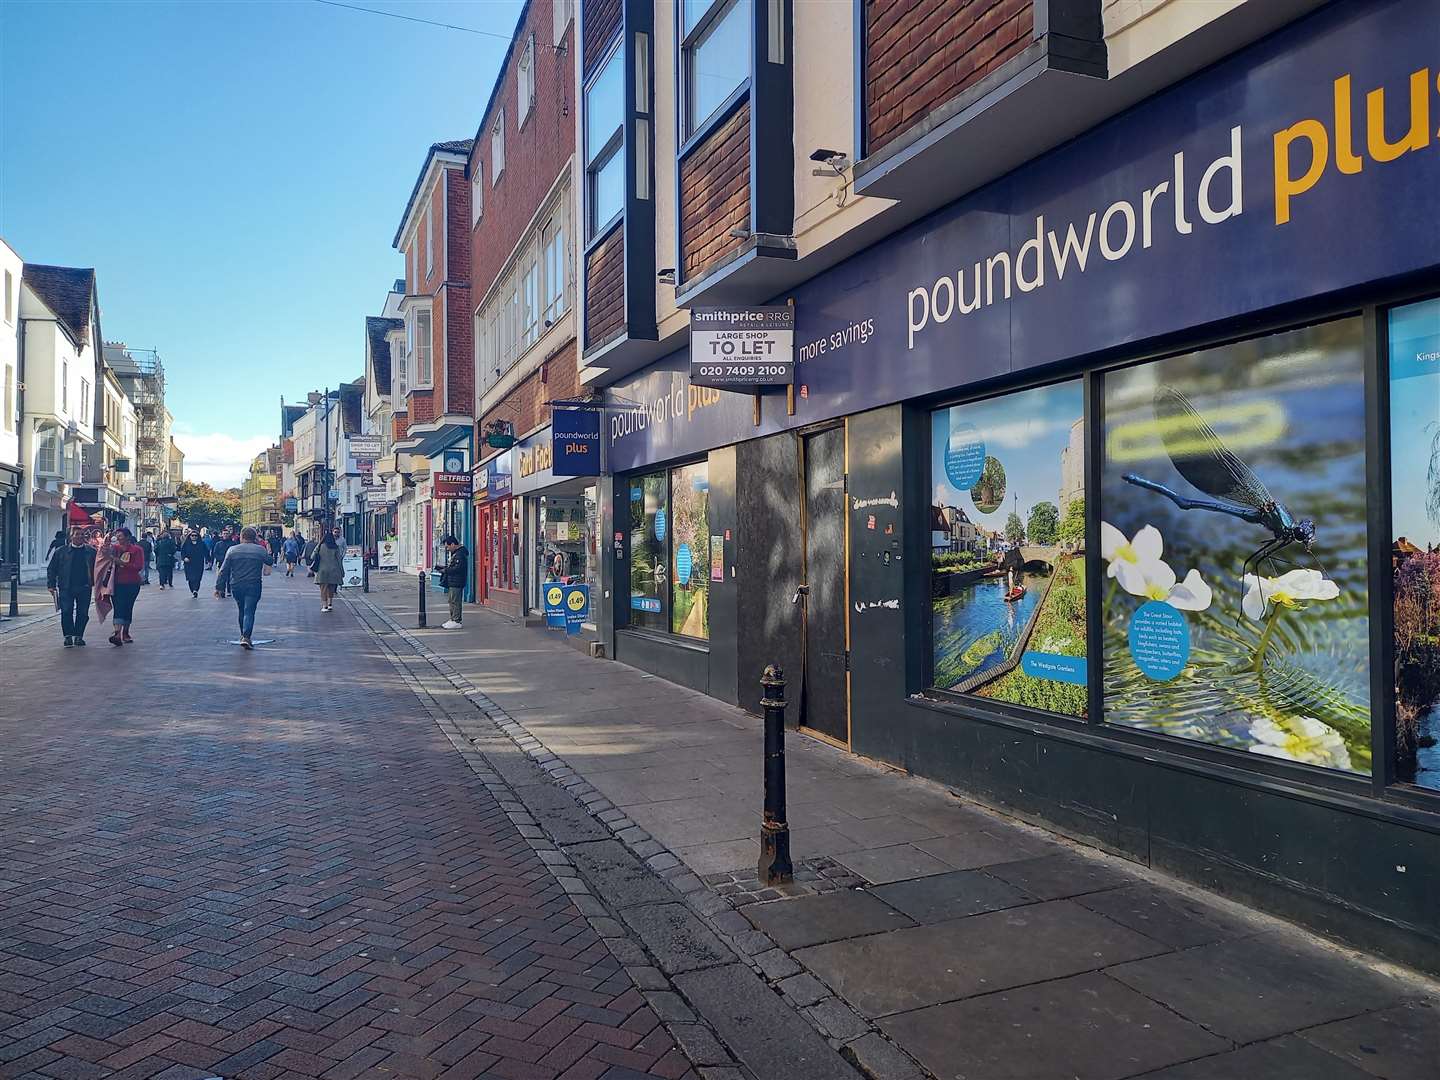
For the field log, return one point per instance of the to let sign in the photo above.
(364, 447)
(742, 347)
(575, 442)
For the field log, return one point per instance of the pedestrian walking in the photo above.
(208, 539)
(217, 553)
(128, 560)
(292, 550)
(165, 552)
(193, 555)
(70, 576)
(328, 565)
(56, 542)
(147, 545)
(243, 572)
(454, 578)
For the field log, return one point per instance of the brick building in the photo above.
(438, 401)
(520, 173)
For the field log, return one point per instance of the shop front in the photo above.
(1106, 494)
(498, 536)
(561, 529)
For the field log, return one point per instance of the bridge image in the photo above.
(1045, 554)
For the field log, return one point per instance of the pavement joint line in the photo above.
(755, 942)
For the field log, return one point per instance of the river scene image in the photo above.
(1007, 574)
(1233, 535)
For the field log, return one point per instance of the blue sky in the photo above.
(235, 172)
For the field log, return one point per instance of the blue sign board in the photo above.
(554, 596)
(577, 607)
(575, 442)
(1255, 183)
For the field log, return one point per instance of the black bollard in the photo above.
(15, 592)
(422, 599)
(775, 868)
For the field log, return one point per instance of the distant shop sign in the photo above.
(365, 447)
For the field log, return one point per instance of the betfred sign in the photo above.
(742, 347)
(451, 485)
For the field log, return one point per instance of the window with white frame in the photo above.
(477, 193)
(418, 347)
(84, 400)
(9, 297)
(555, 264)
(65, 387)
(47, 453)
(525, 83)
(604, 145)
(497, 148)
(399, 367)
(530, 299)
(715, 56)
(429, 243)
(564, 14)
(9, 397)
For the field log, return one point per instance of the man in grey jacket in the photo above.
(242, 571)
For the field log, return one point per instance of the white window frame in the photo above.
(47, 452)
(477, 194)
(419, 348)
(597, 158)
(525, 83)
(555, 259)
(429, 242)
(497, 147)
(564, 14)
(10, 397)
(84, 400)
(9, 298)
(64, 387)
(710, 14)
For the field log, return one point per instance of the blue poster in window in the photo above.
(684, 563)
(660, 525)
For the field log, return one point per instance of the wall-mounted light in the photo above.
(666, 276)
(836, 161)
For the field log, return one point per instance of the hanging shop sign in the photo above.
(1304, 165)
(575, 442)
(494, 479)
(449, 485)
(291, 504)
(741, 348)
(365, 447)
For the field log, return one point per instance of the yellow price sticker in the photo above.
(553, 595)
(576, 600)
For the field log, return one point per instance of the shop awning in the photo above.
(427, 440)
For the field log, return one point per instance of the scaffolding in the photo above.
(143, 376)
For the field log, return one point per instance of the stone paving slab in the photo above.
(1402, 1043)
(926, 965)
(1285, 1058)
(951, 896)
(812, 920)
(1087, 1027)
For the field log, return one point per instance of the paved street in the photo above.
(274, 865)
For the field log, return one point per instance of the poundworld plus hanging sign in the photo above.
(575, 442)
(741, 348)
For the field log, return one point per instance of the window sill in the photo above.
(660, 637)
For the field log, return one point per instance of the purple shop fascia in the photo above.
(1302, 166)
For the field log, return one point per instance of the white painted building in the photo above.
(59, 349)
(12, 474)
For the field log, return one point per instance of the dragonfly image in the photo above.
(1201, 457)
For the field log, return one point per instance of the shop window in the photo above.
(690, 550)
(1414, 349)
(566, 542)
(649, 566)
(1007, 532)
(1234, 536)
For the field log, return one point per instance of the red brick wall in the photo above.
(921, 53)
(602, 22)
(525, 405)
(459, 326)
(605, 290)
(399, 424)
(715, 194)
(535, 154)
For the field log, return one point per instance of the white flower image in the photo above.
(1291, 589)
(1137, 566)
(1302, 738)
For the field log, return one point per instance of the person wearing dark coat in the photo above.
(147, 545)
(193, 556)
(165, 550)
(217, 552)
(70, 577)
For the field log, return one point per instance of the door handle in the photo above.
(801, 590)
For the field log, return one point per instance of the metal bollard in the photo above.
(775, 868)
(422, 599)
(15, 593)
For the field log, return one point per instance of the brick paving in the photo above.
(273, 866)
